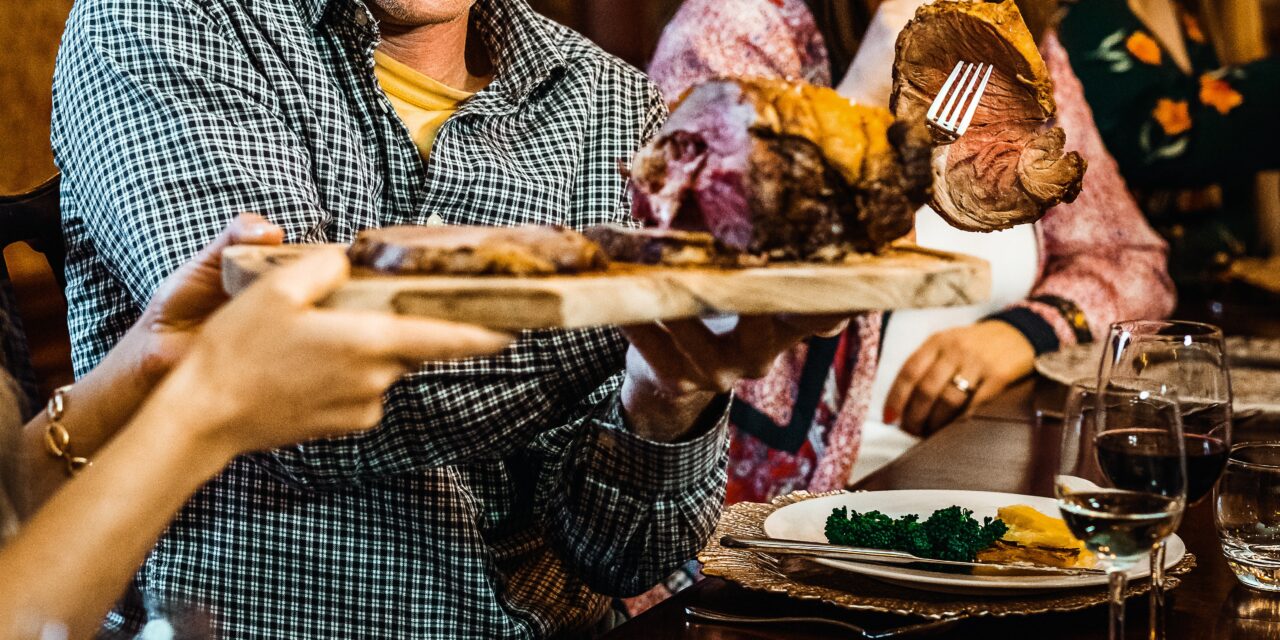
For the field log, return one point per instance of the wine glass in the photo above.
(1190, 357)
(1121, 483)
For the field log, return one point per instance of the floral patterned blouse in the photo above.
(1100, 262)
(1175, 133)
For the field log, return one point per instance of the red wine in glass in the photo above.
(1138, 458)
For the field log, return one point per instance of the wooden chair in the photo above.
(33, 217)
(37, 353)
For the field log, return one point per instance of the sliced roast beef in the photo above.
(1010, 166)
(784, 169)
(668, 247)
(473, 250)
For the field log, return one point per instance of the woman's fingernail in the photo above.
(890, 416)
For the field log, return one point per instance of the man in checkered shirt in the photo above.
(502, 497)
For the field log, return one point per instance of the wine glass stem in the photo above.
(1116, 581)
(1156, 626)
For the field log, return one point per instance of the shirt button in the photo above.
(362, 17)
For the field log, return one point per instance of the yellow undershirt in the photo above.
(423, 104)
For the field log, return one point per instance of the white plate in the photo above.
(1254, 389)
(806, 520)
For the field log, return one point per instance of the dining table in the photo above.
(1009, 444)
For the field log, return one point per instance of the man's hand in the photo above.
(675, 368)
(989, 355)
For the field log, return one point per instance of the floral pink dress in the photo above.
(1099, 261)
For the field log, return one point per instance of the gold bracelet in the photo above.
(56, 439)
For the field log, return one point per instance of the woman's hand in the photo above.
(106, 398)
(270, 369)
(265, 370)
(989, 355)
(187, 297)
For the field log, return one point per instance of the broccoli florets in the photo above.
(949, 534)
(873, 529)
(911, 536)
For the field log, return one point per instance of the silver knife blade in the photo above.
(881, 556)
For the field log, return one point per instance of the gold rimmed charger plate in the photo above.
(807, 580)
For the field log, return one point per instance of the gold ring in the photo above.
(960, 382)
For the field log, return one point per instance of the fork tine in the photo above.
(938, 100)
(965, 92)
(945, 120)
(973, 106)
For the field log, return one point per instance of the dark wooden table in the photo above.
(1000, 448)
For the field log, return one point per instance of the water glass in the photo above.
(1246, 509)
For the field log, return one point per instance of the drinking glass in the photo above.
(1190, 357)
(1246, 509)
(1121, 483)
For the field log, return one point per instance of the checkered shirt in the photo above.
(501, 497)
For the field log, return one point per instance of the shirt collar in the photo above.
(524, 46)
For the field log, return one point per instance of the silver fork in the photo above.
(923, 628)
(952, 109)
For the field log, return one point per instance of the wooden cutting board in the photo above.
(904, 277)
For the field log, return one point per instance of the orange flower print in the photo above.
(1218, 94)
(1192, 27)
(1143, 47)
(1172, 115)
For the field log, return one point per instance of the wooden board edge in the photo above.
(573, 301)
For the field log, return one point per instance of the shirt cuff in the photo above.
(1032, 326)
(654, 468)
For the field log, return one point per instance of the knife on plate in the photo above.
(881, 556)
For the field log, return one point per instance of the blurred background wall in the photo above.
(628, 29)
(29, 32)
(1271, 9)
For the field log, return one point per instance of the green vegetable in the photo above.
(949, 534)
